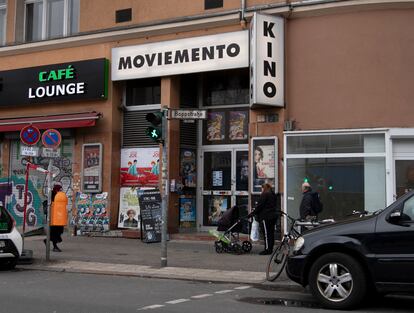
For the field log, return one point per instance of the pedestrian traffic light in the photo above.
(155, 130)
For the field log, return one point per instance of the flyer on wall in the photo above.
(215, 126)
(140, 167)
(238, 125)
(263, 167)
(129, 210)
(216, 207)
(187, 212)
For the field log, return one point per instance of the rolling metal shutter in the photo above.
(134, 126)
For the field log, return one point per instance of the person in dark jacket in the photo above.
(306, 210)
(266, 213)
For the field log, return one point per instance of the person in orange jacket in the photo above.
(55, 231)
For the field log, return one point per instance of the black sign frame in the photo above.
(71, 81)
(151, 215)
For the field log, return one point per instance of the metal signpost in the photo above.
(51, 139)
(164, 199)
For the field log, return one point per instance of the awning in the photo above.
(67, 120)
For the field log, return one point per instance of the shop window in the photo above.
(189, 90)
(3, 12)
(213, 4)
(226, 87)
(353, 143)
(45, 19)
(352, 179)
(143, 92)
(123, 15)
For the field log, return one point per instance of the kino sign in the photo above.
(267, 60)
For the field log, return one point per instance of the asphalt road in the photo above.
(57, 292)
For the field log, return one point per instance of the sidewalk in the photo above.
(189, 260)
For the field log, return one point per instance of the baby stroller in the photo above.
(230, 225)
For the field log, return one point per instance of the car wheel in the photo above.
(338, 281)
(9, 264)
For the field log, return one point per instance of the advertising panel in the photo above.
(81, 80)
(267, 60)
(140, 167)
(175, 57)
(264, 167)
(129, 210)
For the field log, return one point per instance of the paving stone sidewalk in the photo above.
(189, 260)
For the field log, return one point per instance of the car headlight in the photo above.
(299, 242)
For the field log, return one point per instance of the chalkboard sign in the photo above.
(150, 204)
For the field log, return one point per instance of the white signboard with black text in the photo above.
(174, 57)
(267, 60)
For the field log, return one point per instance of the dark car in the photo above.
(344, 262)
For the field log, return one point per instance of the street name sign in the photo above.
(188, 114)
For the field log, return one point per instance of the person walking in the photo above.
(266, 213)
(310, 205)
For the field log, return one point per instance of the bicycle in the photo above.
(277, 261)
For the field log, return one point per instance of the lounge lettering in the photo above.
(57, 90)
(179, 56)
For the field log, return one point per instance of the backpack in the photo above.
(317, 206)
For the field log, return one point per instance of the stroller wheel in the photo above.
(246, 246)
(218, 245)
(237, 248)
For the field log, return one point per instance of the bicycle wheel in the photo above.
(277, 262)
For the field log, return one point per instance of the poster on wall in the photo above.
(140, 167)
(264, 167)
(91, 212)
(187, 212)
(92, 167)
(238, 125)
(217, 205)
(188, 169)
(215, 126)
(129, 210)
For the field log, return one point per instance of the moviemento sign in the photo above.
(182, 56)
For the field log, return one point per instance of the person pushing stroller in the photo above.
(267, 212)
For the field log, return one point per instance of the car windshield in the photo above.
(6, 222)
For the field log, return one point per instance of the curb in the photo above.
(187, 274)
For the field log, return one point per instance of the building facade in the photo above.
(293, 91)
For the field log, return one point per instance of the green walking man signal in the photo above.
(155, 130)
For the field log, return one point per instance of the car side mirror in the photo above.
(398, 218)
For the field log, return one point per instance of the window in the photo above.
(347, 170)
(2, 22)
(213, 4)
(143, 92)
(46, 19)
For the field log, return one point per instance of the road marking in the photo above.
(243, 287)
(202, 296)
(151, 307)
(224, 291)
(177, 301)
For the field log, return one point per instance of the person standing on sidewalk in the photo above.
(266, 213)
(55, 231)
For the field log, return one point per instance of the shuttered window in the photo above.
(134, 127)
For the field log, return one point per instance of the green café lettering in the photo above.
(55, 90)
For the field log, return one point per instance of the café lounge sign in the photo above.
(82, 80)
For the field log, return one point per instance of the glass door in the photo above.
(224, 182)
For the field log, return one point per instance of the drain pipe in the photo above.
(242, 14)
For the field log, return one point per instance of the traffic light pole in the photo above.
(165, 189)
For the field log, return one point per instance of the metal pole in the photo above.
(49, 202)
(165, 187)
(26, 187)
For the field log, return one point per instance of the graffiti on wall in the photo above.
(12, 188)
